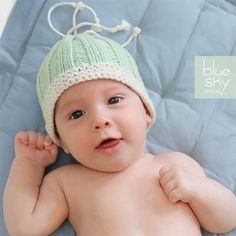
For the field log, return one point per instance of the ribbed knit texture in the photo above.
(83, 57)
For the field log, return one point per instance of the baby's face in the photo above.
(103, 124)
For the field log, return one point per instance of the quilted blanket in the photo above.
(173, 34)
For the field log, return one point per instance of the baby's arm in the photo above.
(213, 204)
(33, 205)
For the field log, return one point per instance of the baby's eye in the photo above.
(113, 100)
(76, 115)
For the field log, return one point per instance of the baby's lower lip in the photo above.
(110, 147)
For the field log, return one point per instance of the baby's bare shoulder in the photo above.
(64, 172)
(171, 158)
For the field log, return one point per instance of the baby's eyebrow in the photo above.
(113, 87)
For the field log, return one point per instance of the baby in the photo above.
(96, 108)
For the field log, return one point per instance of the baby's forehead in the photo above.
(88, 88)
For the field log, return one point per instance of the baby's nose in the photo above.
(102, 125)
(101, 122)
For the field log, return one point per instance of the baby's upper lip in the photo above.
(106, 138)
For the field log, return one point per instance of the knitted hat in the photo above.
(83, 57)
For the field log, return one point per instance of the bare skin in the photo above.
(118, 189)
(129, 202)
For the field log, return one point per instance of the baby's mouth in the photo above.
(107, 143)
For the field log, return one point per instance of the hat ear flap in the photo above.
(149, 120)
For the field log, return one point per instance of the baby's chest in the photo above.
(121, 197)
(123, 204)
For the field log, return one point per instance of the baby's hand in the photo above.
(36, 147)
(178, 183)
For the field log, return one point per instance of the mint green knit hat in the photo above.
(83, 57)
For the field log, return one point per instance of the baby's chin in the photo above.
(110, 169)
(111, 164)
